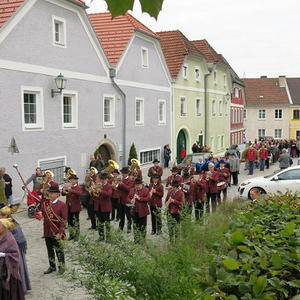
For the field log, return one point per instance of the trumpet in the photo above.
(95, 189)
(46, 183)
(116, 182)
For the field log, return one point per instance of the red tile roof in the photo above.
(208, 51)
(266, 87)
(114, 34)
(175, 47)
(9, 7)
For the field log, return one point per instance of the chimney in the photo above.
(282, 81)
(263, 76)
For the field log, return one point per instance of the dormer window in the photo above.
(59, 32)
(215, 76)
(185, 71)
(145, 60)
(197, 74)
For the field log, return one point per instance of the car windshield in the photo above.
(272, 174)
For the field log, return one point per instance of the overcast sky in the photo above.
(257, 37)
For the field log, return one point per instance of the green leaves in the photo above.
(277, 261)
(231, 264)
(120, 7)
(259, 285)
(237, 237)
(289, 229)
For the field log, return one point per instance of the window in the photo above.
(198, 107)
(69, 109)
(215, 76)
(139, 111)
(220, 108)
(236, 93)
(56, 165)
(162, 111)
(222, 141)
(147, 156)
(197, 73)
(290, 175)
(183, 106)
(261, 114)
(108, 111)
(234, 116)
(278, 114)
(241, 115)
(225, 80)
(226, 108)
(219, 142)
(213, 108)
(59, 31)
(32, 107)
(261, 133)
(185, 71)
(278, 133)
(296, 114)
(145, 61)
(245, 114)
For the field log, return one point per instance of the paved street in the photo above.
(55, 287)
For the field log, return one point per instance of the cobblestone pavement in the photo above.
(56, 287)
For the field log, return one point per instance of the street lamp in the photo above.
(227, 96)
(60, 82)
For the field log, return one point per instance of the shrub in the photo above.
(132, 154)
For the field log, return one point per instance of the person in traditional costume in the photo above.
(10, 278)
(3, 200)
(55, 214)
(6, 212)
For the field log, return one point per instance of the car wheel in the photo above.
(262, 191)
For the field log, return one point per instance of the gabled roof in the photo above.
(265, 91)
(234, 77)
(115, 34)
(9, 7)
(294, 89)
(175, 47)
(208, 51)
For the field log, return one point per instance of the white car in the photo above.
(279, 181)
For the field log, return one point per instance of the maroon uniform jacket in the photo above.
(124, 187)
(41, 187)
(55, 217)
(171, 178)
(139, 174)
(102, 202)
(190, 169)
(141, 205)
(188, 191)
(155, 170)
(156, 197)
(175, 207)
(200, 189)
(73, 199)
(224, 175)
(115, 192)
(212, 186)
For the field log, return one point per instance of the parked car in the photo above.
(194, 157)
(278, 181)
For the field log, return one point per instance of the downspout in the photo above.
(206, 108)
(112, 75)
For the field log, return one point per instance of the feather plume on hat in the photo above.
(8, 223)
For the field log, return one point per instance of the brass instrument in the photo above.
(208, 175)
(89, 178)
(116, 182)
(69, 174)
(133, 168)
(112, 165)
(95, 189)
(46, 183)
(67, 182)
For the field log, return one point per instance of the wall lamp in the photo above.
(60, 82)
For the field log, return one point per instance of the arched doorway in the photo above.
(107, 149)
(181, 142)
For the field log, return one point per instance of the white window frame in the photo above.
(141, 122)
(62, 21)
(236, 93)
(111, 122)
(198, 109)
(74, 95)
(197, 68)
(259, 114)
(145, 59)
(39, 125)
(164, 121)
(220, 108)
(259, 135)
(277, 109)
(185, 74)
(245, 114)
(150, 159)
(276, 135)
(213, 108)
(184, 113)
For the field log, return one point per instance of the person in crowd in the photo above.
(254, 194)
(224, 175)
(284, 159)
(6, 212)
(195, 148)
(182, 152)
(115, 196)
(216, 162)
(251, 157)
(188, 168)
(174, 202)
(245, 157)
(124, 188)
(156, 190)
(188, 187)
(8, 185)
(200, 191)
(212, 178)
(238, 152)
(89, 182)
(155, 169)
(174, 176)
(10, 280)
(55, 217)
(234, 168)
(102, 205)
(47, 182)
(3, 200)
(74, 207)
(167, 155)
(139, 196)
(36, 179)
(96, 163)
(199, 165)
(263, 155)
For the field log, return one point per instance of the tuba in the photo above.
(67, 182)
(111, 166)
(135, 164)
(69, 174)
